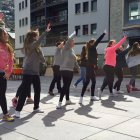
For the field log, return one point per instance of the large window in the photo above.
(23, 22)
(19, 6)
(22, 4)
(77, 29)
(26, 4)
(77, 8)
(94, 5)
(20, 23)
(134, 10)
(93, 29)
(26, 21)
(85, 6)
(85, 29)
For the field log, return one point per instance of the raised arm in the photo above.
(36, 44)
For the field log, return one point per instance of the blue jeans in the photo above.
(82, 76)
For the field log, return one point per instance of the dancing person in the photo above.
(69, 61)
(83, 64)
(91, 67)
(133, 61)
(56, 69)
(6, 67)
(109, 67)
(33, 57)
(120, 64)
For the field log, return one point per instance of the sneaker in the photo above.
(59, 105)
(112, 94)
(14, 102)
(38, 111)
(81, 100)
(74, 86)
(99, 93)
(93, 98)
(17, 114)
(128, 88)
(29, 101)
(115, 91)
(51, 93)
(135, 89)
(8, 118)
(120, 92)
(69, 102)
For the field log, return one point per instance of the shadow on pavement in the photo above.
(85, 110)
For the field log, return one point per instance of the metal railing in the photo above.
(55, 2)
(38, 4)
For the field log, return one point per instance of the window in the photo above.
(77, 8)
(94, 5)
(23, 37)
(23, 22)
(134, 10)
(93, 29)
(22, 4)
(26, 4)
(19, 6)
(85, 29)
(85, 7)
(26, 21)
(20, 23)
(20, 39)
(77, 29)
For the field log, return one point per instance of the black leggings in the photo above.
(109, 77)
(27, 81)
(119, 74)
(90, 75)
(56, 78)
(20, 89)
(67, 78)
(3, 87)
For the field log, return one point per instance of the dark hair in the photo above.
(84, 53)
(110, 43)
(135, 49)
(91, 42)
(29, 39)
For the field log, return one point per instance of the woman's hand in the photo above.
(7, 76)
(48, 27)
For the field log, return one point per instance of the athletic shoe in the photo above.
(29, 101)
(120, 92)
(8, 118)
(115, 91)
(51, 93)
(99, 93)
(128, 88)
(135, 89)
(14, 102)
(93, 98)
(59, 105)
(74, 86)
(81, 100)
(17, 114)
(68, 102)
(38, 111)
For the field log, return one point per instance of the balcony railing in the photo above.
(56, 20)
(38, 5)
(51, 41)
(55, 2)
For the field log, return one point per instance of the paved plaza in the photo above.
(116, 118)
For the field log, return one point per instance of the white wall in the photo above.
(23, 29)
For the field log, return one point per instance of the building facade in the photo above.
(22, 25)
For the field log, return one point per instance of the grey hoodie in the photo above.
(34, 57)
(68, 56)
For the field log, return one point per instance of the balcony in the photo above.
(38, 5)
(55, 2)
(51, 41)
(58, 20)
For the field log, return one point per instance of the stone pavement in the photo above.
(115, 118)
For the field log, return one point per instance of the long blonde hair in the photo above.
(6, 42)
(135, 49)
(30, 37)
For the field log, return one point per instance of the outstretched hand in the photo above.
(125, 33)
(48, 27)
